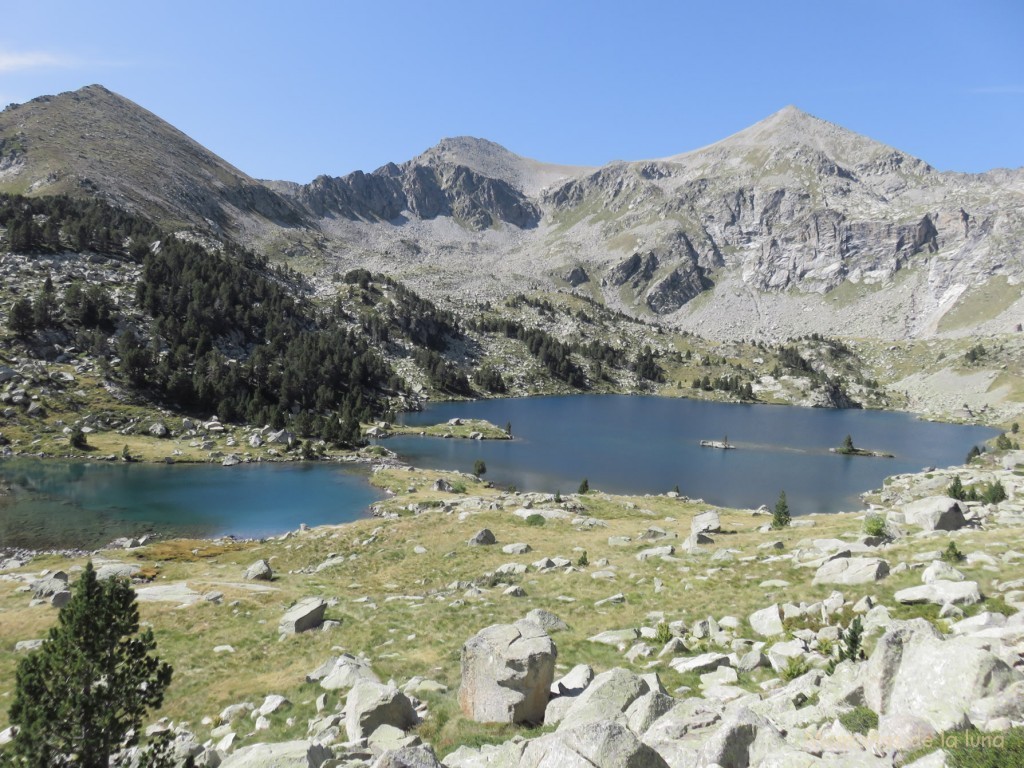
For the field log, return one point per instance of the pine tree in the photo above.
(781, 517)
(83, 694)
(479, 468)
(21, 320)
(584, 486)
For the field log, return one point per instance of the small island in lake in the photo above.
(849, 449)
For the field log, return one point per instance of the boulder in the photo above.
(767, 621)
(306, 614)
(117, 571)
(742, 739)
(546, 620)
(664, 551)
(507, 670)
(371, 704)
(287, 754)
(852, 570)
(606, 698)
(941, 593)
(259, 571)
(706, 522)
(935, 513)
(904, 732)
(573, 683)
(50, 585)
(412, 756)
(157, 429)
(940, 571)
(705, 662)
(347, 671)
(593, 745)
(482, 538)
(617, 638)
(914, 671)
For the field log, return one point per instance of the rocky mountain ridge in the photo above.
(789, 226)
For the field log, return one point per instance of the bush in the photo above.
(663, 634)
(584, 487)
(479, 468)
(795, 667)
(993, 492)
(82, 695)
(583, 560)
(953, 555)
(77, 439)
(535, 520)
(874, 525)
(859, 720)
(781, 516)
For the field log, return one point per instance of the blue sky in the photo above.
(330, 87)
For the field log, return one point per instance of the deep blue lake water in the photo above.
(621, 444)
(81, 504)
(628, 444)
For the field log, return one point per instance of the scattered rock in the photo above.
(482, 538)
(306, 614)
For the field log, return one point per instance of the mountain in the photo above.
(95, 142)
(793, 225)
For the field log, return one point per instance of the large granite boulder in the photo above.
(259, 571)
(767, 622)
(852, 570)
(742, 739)
(306, 614)
(606, 698)
(287, 754)
(593, 745)
(507, 670)
(935, 513)
(941, 592)
(915, 671)
(370, 705)
(347, 672)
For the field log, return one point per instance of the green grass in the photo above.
(973, 749)
(981, 303)
(859, 720)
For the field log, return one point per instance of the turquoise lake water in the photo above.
(621, 444)
(86, 505)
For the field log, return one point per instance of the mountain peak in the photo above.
(495, 161)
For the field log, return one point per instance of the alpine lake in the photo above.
(621, 444)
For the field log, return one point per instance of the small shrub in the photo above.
(584, 487)
(78, 440)
(955, 490)
(583, 561)
(663, 633)
(993, 493)
(874, 525)
(795, 667)
(859, 720)
(479, 467)
(952, 554)
(535, 520)
(458, 487)
(558, 497)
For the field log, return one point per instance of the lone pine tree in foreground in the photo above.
(81, 697)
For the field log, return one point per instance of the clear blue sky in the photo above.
(290, 91)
